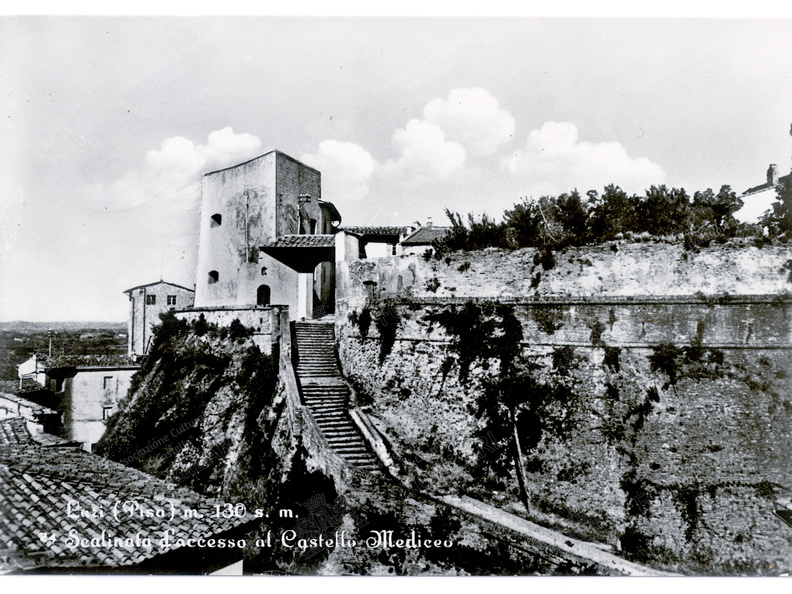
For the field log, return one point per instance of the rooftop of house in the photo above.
(311, 241)
(24, 405)
(38, 525)
(87, 361)
(425, 235)
(14, 431)
(376, 230)
(159, 282)
(767, 185)
(16, 387)
(272, 152)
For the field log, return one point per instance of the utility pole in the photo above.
(49, 335)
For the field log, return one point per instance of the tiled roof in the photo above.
(757, 189)
(38, 482)
(375, 230)
(291, 241)
(160, 282)
(426, 235)
(23, 406)
(87, 361)
(14, 431)
(13, 387)
(767, 186)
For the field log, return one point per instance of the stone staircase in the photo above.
(326, 394)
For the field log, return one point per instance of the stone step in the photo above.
(319, 407)
(343, 435)
(318, 401)
(359, 460)
(343, 432)
(308, 362)
(327, 395)
(330, 416)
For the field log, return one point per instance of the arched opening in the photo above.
(214, 276)
(263, 295)
(217, 220)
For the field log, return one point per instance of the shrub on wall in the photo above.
(387, 323)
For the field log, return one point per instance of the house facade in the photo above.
(86, 390)
(146, 303)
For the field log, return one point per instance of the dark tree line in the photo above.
(575, 219)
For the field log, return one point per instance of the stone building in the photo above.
(264, 238)
(146, 303)
(85, 391)
(759, 199)
(421, 239)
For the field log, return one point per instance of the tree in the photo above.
(664, 211)
(716, 210)
(571, 213)
(612, 213)
(782, 209)
(524, 224)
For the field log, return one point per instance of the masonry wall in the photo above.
(612, 269)
(265, 322)
(684, 475)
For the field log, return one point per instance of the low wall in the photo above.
(266, 322)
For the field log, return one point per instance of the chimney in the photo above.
(429, 221)
(772, 175)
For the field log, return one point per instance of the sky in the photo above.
(107, 124)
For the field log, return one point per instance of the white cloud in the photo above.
(172, 172)
(225, 148)
(474, 118)
(555, 161)
(346, 169)
(425, 153)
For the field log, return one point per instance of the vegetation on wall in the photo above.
(182, 373)
(479, 332)
(570, 219)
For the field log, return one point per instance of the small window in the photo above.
(106, 412)
(214, 276)
(263, 271)
(313, 226)
(107, 382)
(216, 221)
(151, 299)
(171, 299)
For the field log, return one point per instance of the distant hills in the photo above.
(25, 327)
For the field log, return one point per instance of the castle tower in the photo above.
(243, 208)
